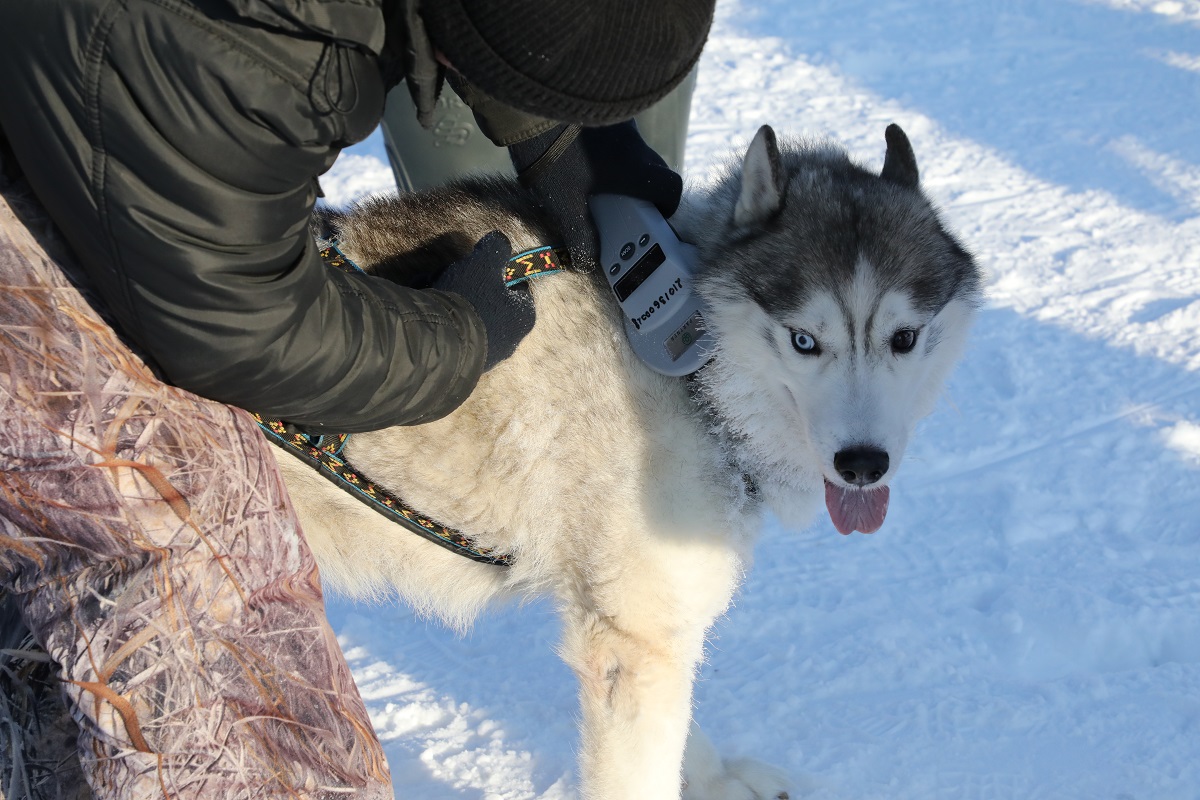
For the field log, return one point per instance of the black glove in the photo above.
(565, 166)
(507, 314)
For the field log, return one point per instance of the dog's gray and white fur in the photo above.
(623, 494)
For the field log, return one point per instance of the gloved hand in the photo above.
(563, 172)
(507, 314)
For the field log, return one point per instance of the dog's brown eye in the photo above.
(904, 340)
(804, 343)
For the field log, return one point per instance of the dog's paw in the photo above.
(707, 776)
(739, 779)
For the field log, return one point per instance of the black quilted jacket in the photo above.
(176, 144)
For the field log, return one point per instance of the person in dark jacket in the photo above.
(175, 147)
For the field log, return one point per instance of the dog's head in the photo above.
(839, 303)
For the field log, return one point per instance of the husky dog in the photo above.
(838, 303)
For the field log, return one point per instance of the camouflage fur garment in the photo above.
(148, 543)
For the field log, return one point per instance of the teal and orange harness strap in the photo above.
(324, 452)
(535, 263)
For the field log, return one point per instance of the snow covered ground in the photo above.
(1027, 623)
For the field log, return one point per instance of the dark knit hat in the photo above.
(592, 63)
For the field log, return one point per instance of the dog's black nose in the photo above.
(861, 466)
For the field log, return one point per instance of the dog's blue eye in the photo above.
(804, 343)
(904, 340)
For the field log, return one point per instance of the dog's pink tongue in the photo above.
(856, 509)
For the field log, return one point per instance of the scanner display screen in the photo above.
(642, 270)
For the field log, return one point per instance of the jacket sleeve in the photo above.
(212, 140)
(501, 123)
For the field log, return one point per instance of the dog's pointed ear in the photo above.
(900, 163)
(762, 181)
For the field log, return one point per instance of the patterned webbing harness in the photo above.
(323, 452)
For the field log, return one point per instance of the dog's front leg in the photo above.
(635, 691)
